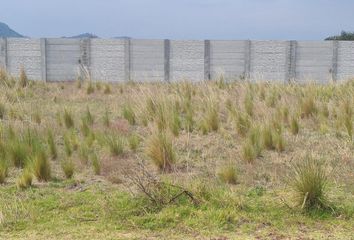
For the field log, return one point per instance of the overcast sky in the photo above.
(180, 19)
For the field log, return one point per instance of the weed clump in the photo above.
(228, 175)
(41, 166)
(68, 119)
(25, 180)
(309, 181)
(68, 167)
(159, 149)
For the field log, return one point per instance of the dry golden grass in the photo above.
(189, 131)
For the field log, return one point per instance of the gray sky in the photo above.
(180, 19)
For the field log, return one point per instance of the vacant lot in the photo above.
(210, 160)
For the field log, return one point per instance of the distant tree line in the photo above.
(344, 36)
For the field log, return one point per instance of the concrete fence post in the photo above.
(167, 53)
(85, 45)
(3, 53)
(127, 59)
(207, 74)
(291, 61)
(43, 43)
(247, 56)
(334, 68)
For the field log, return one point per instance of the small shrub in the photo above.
(68, 119)
(128, 114)
(115, 145)
(159, 149)
(23, 80)
(309, 181)
(52, 146)
(68, 168)
(25, 180)
(294, 126)
(41, 166)
(228, 175)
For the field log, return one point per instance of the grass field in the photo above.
(212, 160)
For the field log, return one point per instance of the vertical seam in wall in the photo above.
(292, 61)
(167, 53)
(43, 43)
(335, 61)
(207, 60)
(6, 64)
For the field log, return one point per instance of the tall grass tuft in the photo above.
(228, 175)
(25, 179)
(115, 145)
(106, 119)
(68, 119)
(23, 80)
(309, 181)
(133, 141)
(52, 146)
(308, 106)
(88, 117)
(18, 152)
(243, 124)
(2, 110)
(41, 166)
(96, 164)
(248, 103)
(4, 169)
(128, 114)
(159, 149)
(294, 126)
(68, 168)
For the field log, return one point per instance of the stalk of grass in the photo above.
(228, 175)
(348, 123)
(84, 153)
(267, 136)
(175, 122)
(309, 180)
(159, 149)
(25, 179)
(52, 146)
(68, 168)
(88, 117)
(41, 166)
(85, 129)
(308, 106)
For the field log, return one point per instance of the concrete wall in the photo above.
(24, 53)
(107, 61)
(120, 60)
